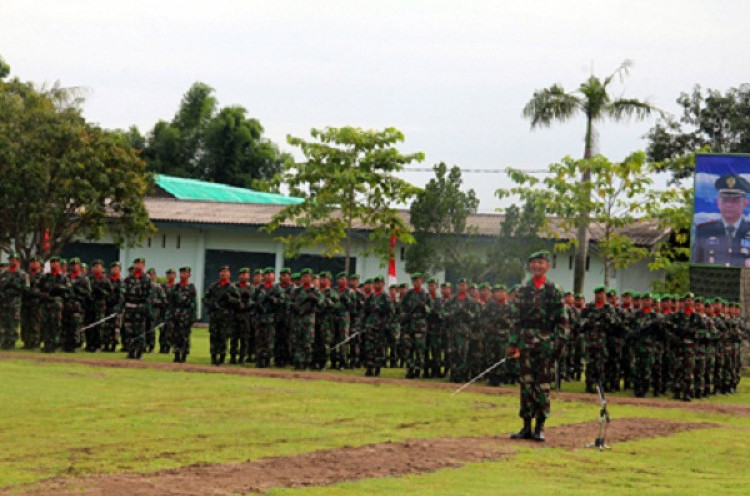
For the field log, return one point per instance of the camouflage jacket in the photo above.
(221, 300)
(183, 303)
(542, 319)
(136, 292)
(598, 321)
(13, 285)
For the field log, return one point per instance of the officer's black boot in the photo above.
(368, 372)
(176, 357)
(676, 396)
(222, 358)
(377, 372)
(241, 361)
(525, 432)
(233, 359)
(184, 356)
(214, 359)
(686, 397)
(539, 430)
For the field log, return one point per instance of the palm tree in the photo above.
(592, 99)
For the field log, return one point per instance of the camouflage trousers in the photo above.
(264, 338)
(72, 336)
(596, 359)
(535, 383)
(304, 337)
(239, 340)
(657, 375)
(134, 330)
(476, 353)
(436, 353)
(644, 365)
(166, 333)
(612, 367)
(460, 355)
(323, 337)
(281, 347)
(683, 370)
(52, 324)
(219, 330)
(495, 346)
(413, 341)
(708, 369)
(373, 347)
(699, 381)
(340, 356)
(111, 331)
(94, 334)
(10, 317)
(575, 355)
(31, 324)
(181, 329)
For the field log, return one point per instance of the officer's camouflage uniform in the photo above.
(183, 306)
(414, 309)
(356, 319)
(115, 304)
(341, 327)
(157, 306)
(73, 313)
(54, 289)
(377, 313)
(31, 313)
(137, 290)
(13, 284)
(305, 303)
(282, 346)
(166, 331)
(435, 340)
(648, 327)
(269, 299)
(464, 310)
(597, 322)
(221, 300)
(101, 292)
(498, 321)
(324, 323)
(239, 343)
(686, 328)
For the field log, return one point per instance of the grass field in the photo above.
(74, 420)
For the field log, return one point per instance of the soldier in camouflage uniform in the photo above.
(305, 302)
(647, 328)
(686, 325)
(342, 322)
(356, 319)
(701, 350)
(615, 343)
(541, 316)
(393, 349)
(54, 289)
(444, 309)
(137, 290)
(183, 304)
(498, 320)
(157, 303)
(282, 349)
(477, 333)
(31, 307)
(324, 322)
(101, 292)
(239, 343)
(167, 330)
(414, 309)
(627, 319)
(14, 283)
(222, 300)
(464, 311)
(269, 300)
(111, 328)
(377, 314)
(598, 318)
(433, 352)
(73, 311)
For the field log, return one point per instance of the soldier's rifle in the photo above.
(485, 372)
(347, 339)
(604, 420)
(100, 321)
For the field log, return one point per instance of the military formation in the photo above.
(685, 346)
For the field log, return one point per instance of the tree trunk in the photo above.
(348, 251)
(582, 236)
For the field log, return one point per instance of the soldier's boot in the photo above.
(377, 372)
(525, 432)
(394, 363)
(590, 388)
(697, 394)
(676, 395)
(233, 359)
(176, 357)
(139, 354)
(131, 354)
(222, 358)
(686, 397)
(241, 361)
(184, 356)
(214, 359)
(368, 372)
(538, 435)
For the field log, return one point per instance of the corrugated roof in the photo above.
(193, 189)
(646, 233)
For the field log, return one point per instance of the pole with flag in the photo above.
(392, 279)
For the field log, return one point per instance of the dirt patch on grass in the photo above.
(345, 464)
(696, 406)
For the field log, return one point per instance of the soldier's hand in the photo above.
(513, 352)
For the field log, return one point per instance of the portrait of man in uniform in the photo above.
(725, 240)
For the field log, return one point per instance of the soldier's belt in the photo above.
(133, 305)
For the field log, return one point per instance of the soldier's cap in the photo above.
(646, 295)
(341, 274)
(257, 271)
(541, 254)
(446, 285)
(600, 289)
(656, 297)
(63, 261)
(354, 276)
(131, 268)
(295, 275)
(567, 292)
(315, 276)
(224, 267)
(393, 286)
(612, 291)
(499, 287)
(244, 270)
(85, 265)
(325, 274)
(635, 294)
(578, 295)
(485, 285)
(151, 270)
(185, 269)
(416, 275)
(473, 286)
(368, 281)
(285, 270)
(98, 261)
(432, 280)
(699, 299)
(724, 301)
(378, 278)
(114, 264)
(140, 259)
(74, 260)
(403, 285)
(306, 270)
(34, 258)
(688, 295)
(268, 270)
(627, 292)
(14, 255)
(463, 280)
(732, 186)
(170, 271)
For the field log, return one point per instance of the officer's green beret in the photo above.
(325, 274)
(499, 287)
(612, 291)
(688, 295)
(656, 297)
(578, 295)
(341, 274)
(646, 295)
(224, 267)
(635, 294)
(627, 292)
(257, 271)
(354, 276)
(315, 276)
(74, 260)
(464, 280)
(151, 270)
(139, 259)
(393, 286)
(378, 278)
(541, 254)
(295, 275)
(485, 285)
(699, 299)
(268, 270)
(368, 281)
(34, 258)
(129, 268)
(724, 301)
(98, 261)
(285, 270)
(306, 270)
(432, 280)
(14, 255)
(403, 285)
(244, 270)
(599, 289)
(732, 185)
(170, 271)
(64, 261)
(567, 292)
(85, 265)
(185, 269)
(416, 275)
(114, 264)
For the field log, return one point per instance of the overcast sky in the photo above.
(452, 75)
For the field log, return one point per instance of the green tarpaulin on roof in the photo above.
(193, 189)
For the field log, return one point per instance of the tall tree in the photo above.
(710, 119)
(438, 216)
(612, 197)
(64, 178)
(593, 100)
(347, 182)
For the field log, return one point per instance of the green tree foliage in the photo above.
(348, 183)
(438, 216)
(594, 101)
(710, 120)
(223, 146)
(64, 176)
(611, 199)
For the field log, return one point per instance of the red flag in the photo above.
(392, 262)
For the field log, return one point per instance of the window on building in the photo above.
(177, 244)
(163, 240)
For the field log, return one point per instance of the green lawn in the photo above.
(73, 420)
